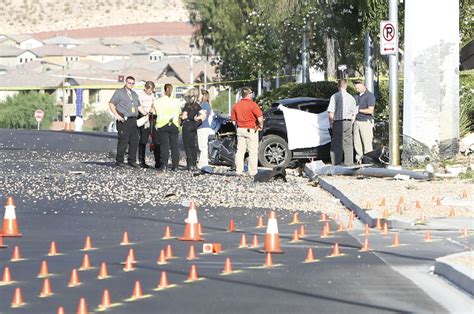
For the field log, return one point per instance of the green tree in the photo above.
(17, 112)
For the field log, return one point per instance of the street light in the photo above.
(191, 63)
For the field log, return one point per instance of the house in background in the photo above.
(101, 53)
(11, 56)
(58, 55)
(25, 42)
(63, 41)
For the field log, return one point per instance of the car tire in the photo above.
(273, 152)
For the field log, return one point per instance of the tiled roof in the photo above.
(97, 50)
(28, 78)
(62, 40)
(18, 38)
(55, 51)
(10, 51)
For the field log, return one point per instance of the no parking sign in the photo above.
(388, 38)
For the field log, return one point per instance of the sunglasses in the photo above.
(131, 83)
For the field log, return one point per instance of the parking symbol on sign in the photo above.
(388, 37)
(388, 32)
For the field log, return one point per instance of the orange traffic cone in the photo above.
(294, 220)
(401, 200)
(128, 265)
(61, 310)
(88, 244)
(86, 263)
(6, 279)
(169, 252)
(366, 230)
(323, 217)
(74, 281)
(417, 205)
(365, 247)
(255, 241)
(464, 232)
(260, 222)
(385, 213)
(52, 249)
(137, 291)
(336, 216)
(464, 194)
(131, 254)
(328, 227)
(193, 275)
(162, 258)
(191, 253)
(296, 236)
(105, 300)
(335, 250)
(82, 307)
(243, 241)
(396, 240)
(46, 291)
(385, 228)
(350, 224)
(309, 256)
(17, 298)
(103, 272)
(16, 254)
(302, 231)
(231, 226)
(438, 201)
(43, 270)
(368, 205)
(399, 209)
(428, 237)
(10, 226)
(125, 240)
(227, 267)
(452, 212)
(341, 226)
(378, 224)
(191, 232)
(422, 217)
(382, 202)
(167, 234)
(2, 246)
(324, 232)
(272, 238)
(268, 260)
(163, 281)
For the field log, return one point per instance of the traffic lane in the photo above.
(358, 281)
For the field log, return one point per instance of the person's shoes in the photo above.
(144, 165)
(133, 165)
(162, 169)
(157, 166)
(174, 169)
(119, 164)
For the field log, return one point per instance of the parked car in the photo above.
(273, 148)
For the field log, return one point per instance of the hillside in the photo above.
(32, 16)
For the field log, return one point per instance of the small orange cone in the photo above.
(169, 252)
(86, 263)
(323, 217)
(309, 256)
(191, 253)
(385, 213)
(6, 279)
(296, 236)
(10, 226)
(243, 241)
(399, 209)
(128, 265)
(365, 247)
(2, 246)
(193, 275)
(401, 200)
(167, 234)
(227, 267)
(428, 237)
(378, 224)
(438, 201)
(294, 220)
(43, 270)
(82, 307)
(268, 260)
(131, 254)
(260, 222)
(255, 241)
(74, 281)
(324, 232)
(125, 240)
(231, 226)
(464, 232)
(396, 240)
(464, 194)
(272, 238)
(162, 258)
(341, 226)
(350, 224)
(417, 205)
(366, 230)
(335, 250)
(382, 202)
(368, 205)
(52, 249)
(385, 228)
(61, 310)
(422, 217)
(103, 272)
(191, 232)
(163, 281)
(16, 254)
(452, 212)
(17, 298)
(328, 227)
(336, 216)
(88, 244)
(46, 291)
(302, 231)
(105, 300)
(137, 291)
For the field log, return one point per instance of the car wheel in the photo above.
(273, 152)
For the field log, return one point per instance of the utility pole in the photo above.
(369, 71)
(394, 123)
(304, 49)
(259, 83)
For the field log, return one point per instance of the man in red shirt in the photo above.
(248, 118)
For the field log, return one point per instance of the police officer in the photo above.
(124, 106)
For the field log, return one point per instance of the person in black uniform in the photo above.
(192, 116)
(124, 106)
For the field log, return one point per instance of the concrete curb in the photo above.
(457, 274)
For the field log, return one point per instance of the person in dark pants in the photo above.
(168, 110)
(192, 117)
(155, 142)
(124, 106)
(147, 108)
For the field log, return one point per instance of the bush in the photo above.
(17, 112)
(466, 102)
(221, 103)
(99, 121)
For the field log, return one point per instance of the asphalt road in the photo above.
(357, 282)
